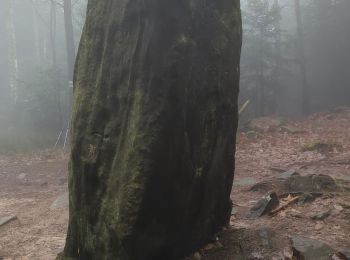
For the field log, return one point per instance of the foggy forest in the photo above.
(161, 129)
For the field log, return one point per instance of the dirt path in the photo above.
(29, 184)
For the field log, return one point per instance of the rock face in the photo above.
(288, 174)
(263, 206)
(153, 132)
(310, 249)
(310, 183)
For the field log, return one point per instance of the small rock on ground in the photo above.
(7, 219)
(62, 202)
(321, 215)
(310, 249)
(263, 206)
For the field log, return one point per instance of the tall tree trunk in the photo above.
(55, 71)
(70, 46)
(261, 78)
(36, 34)
(39, 48)
(277, 91)
(68, 25)
(301, 53)
(153, 132)
(12, 52)
(53, 27)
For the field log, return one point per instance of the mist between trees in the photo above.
(37, 49)
(295, 60)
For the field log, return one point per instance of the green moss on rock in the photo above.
(153, 131)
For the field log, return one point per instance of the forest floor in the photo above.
(316, 145)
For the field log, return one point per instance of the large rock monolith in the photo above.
(153, 130)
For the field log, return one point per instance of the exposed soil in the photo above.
(28, 186)
(319, 144)
(260, 154)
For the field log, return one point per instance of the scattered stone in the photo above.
(246, 181)
(343, 254)
(338, 208)
(6, 220)
(265, 236)
(264, 186)
(321, 215)
(310, 183)
(319, 226)
(310, 249)
(62, 202)
(286, 175)
(265, 205)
